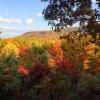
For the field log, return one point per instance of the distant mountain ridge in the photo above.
(47, 33)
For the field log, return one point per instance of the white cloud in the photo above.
(10, 20)
(39, 14)
(29, 21)
(9, 28)
(16, 20)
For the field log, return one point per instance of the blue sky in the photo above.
(19, 16)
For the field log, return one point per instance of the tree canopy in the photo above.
(63, 13)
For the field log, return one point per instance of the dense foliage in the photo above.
(63, 13)
(50, 69)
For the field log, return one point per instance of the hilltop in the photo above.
(47, 33)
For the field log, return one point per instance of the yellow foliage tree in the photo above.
(10, 49)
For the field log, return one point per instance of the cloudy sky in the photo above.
(19, 16)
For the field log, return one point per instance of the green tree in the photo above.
(63, 13)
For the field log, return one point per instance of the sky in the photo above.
(20, 16)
